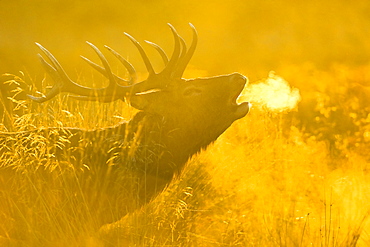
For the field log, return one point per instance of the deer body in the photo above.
(116, 170)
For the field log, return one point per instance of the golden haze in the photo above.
(292, 173)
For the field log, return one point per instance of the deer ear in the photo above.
(139, 102)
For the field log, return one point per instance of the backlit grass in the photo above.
(285, 175)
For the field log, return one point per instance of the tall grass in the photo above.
(267, 181)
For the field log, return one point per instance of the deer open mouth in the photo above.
(239, 109)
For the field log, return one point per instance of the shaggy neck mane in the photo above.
(166, 143)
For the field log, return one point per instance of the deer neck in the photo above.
(170, 142)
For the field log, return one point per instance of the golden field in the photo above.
(293, 172)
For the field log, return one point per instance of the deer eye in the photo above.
(192, 91)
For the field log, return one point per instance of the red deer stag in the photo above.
(115, 170)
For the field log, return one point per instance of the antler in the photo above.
(174, 68)
(64, 84)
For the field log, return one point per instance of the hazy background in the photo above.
(252, 37)
(297, 178)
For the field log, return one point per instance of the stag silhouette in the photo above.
(116, 170)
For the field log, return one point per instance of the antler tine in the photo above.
(101, 70)
(97, 67)
(185, 60)
(113, 91)
(55, 62)
(49, 69)
(108, 71)
(176, 52)
(160, 51)
(184, 49)
(131, 70)
(57, 86)
(148, 65)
